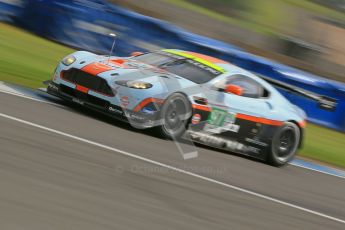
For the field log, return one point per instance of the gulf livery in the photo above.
(182, 94)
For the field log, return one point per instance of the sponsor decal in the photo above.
(196, 118)
(135, 117)
(221, 121)
(228, 123)
(78, 101)
(216, 141)
(219, 117)
(255, 141)
(115, 110)
(234, 145)
(217, 130)
(231, 127)
(124, 101)
(223, 143)
(53, 87)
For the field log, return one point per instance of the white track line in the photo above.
(28, 97)
(173, 168)
(316, 170)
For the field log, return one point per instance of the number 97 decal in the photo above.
(221, 121)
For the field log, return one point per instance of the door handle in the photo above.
(270, 106)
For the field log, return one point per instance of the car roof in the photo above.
(218, 64)
(215, 63)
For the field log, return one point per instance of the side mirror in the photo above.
(136, 54)
(234, 89)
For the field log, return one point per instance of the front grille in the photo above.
(87, 80)
(83, 96)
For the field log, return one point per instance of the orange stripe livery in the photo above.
(259, 120)
(208, 58)
(146, 101)
(201, 107)
(82, 89)
(302, 124)
(244, 116)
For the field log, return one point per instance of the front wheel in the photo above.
(284, 144)
(175, 114)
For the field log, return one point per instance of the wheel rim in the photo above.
(173, 118)
(287, 143)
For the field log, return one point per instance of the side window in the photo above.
(251, 88)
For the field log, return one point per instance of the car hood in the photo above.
(117, 69)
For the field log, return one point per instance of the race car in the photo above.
(182, 94)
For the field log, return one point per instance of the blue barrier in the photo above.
(85, 25)
(10, 9)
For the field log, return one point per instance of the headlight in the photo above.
(138, 85)
(135, 84)
(69, 60)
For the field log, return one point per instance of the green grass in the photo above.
(324, 145)
(318, 9)
(221, 17)
(28, 60)
(266, 16)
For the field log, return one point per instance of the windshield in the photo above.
(183, 67)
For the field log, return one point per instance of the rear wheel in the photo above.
(175, 114)
(284, 144)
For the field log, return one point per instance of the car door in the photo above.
(238, 115)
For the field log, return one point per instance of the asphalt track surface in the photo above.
(64, 167)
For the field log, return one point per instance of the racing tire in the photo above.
(284, 144)
(174, 115)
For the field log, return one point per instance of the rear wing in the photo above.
(324, 102)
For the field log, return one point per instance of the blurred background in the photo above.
(299, 42)
(307, 34)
